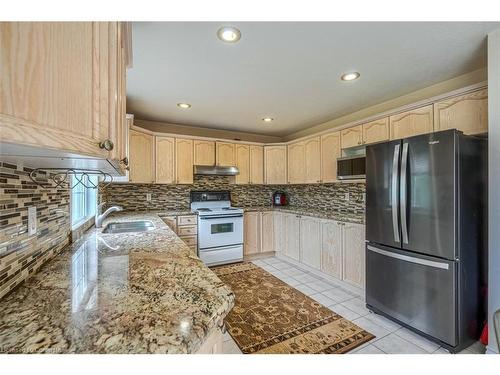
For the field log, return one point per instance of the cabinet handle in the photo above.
(106, 145)
(124, 161)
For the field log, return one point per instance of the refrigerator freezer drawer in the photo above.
(414, 289)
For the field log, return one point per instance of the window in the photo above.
(83, 200)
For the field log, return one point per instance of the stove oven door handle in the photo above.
(218, 217)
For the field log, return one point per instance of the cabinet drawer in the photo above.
(186, 220)
(190, 240)
(187, 230)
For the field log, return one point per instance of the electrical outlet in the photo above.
(31, 220)
(148, 197)
(364, 197)
(347, 196)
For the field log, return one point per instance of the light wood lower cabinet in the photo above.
(275, 165)
(410, 123)
(468, 113)
(184, 161)
(292, 235)
(279, 232)
(204, 152)
(165, 160)
(267, 232)
(331, 248)
(310, 241)
(186, 227)
(354, 254)
(252, 233)
(141, 150)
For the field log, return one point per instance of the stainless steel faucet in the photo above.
(100, 217)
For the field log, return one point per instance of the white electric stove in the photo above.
(220, 227)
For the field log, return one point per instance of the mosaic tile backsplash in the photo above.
(22, 255)
(176, 197)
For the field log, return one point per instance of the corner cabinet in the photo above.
(468, 113)
(63, 86)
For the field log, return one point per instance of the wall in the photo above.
(22, 255)
(176, 197)
(494, 182)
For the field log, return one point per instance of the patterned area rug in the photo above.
(270, 316)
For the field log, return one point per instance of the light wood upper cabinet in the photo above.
(204, 152)
(410, 123)
(252, 235)
(267, 232)
(141, 157)
(312, 148)
(243, 164)
(225, 154)
(351, 137)
(330, 151)
(256, 164)
(354, 254)
(62, 86)
(310, 241)
(468, 113)
(165, 160)
(376, 131)
(331, 248)
(275, 165)
(291, 224)
(184, 161)
(296, 163)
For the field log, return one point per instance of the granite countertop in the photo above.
(117, 293)
(349, 217)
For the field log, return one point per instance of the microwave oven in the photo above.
(351, 167)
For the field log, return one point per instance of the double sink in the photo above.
(129, 227)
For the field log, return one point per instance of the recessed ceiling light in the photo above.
(229, 34)
(349, 76)
(267, 119)
(184, 105)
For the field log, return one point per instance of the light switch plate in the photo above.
(347, 196)
(148, 197)
(31, 220)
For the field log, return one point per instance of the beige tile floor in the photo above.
(391, 338)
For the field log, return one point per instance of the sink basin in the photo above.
(129, 226)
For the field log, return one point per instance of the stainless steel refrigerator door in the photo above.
(416, 290)
(382, 193)
(428, 194)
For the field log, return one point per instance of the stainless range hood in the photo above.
(215, 170)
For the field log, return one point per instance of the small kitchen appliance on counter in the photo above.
(220, 227)
(279, 198)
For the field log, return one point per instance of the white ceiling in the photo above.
(290, 71)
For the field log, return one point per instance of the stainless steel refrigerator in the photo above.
(426, 223)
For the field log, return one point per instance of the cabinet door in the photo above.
(184, 161)
(243, 164)
(256, 165)
(296, 163)
(354, 254)
(141, 157)
(275, 166)
(376, 131)
(310, 242)
(330, 151)
(279, 232)
(351, 137)
(204, 152)
(468, 113)
(267, 231)
(331, 248)
(165, 160)
(292, 233)
(252, 239)
(414, 122)
(59, 85)
(225, 154)
(312, 149)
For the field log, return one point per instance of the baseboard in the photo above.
(323, 275)
(258, 256)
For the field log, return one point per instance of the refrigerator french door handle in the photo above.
(406, 258)
(403, 193)
(394, 193)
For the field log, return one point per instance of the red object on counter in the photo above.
(484, 335)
